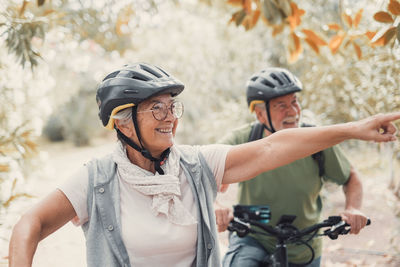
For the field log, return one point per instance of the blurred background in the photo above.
(54, 52)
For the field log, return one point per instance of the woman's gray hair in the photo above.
(124, 116)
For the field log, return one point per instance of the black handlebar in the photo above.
(287, 231)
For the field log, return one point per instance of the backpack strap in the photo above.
(256, 132)
(319, 156)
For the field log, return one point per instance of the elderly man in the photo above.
(291, 189)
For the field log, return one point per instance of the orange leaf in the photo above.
(358, 50)
(348, 19)
(247, 6)
(4, 168)
(246, 23)
(314, 37)
(235, 2)
(334, 26)
(298, 49)
(277, 29)
(295, 19)
(394, 7)
(249, 22)
(312, 44)
(386, 37)
(383, 16)
(357, 18)
(254, 17)
(370, 35)
(23, 7)
(292, 22)
(335, 43)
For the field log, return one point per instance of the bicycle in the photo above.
(246, 216)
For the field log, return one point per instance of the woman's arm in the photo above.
(45, 218)
(247, 160)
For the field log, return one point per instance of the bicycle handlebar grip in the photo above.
(368, 222)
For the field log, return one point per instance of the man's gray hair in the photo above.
(260, 105)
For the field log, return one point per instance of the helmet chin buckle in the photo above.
(146, 153)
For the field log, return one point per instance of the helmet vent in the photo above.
(253, 79)
(152, 71)
(111, 75)
(267, 83)
(135, 76)
(273, 76)
(287, 78)
(163, 71)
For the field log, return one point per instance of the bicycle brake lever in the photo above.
(241, 228)
(336, 230)
(337, 226)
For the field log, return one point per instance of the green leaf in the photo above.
(270, 12)
(398, 32)
(238, 17)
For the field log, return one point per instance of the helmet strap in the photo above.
(145, 153)
(272, 129)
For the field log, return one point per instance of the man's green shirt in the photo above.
(293, 189)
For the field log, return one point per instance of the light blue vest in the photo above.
(104, 243)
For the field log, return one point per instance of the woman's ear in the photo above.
(125, 128)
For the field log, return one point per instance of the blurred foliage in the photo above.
(75, 120)
(19, 112)
(284, 16)
(107, 23)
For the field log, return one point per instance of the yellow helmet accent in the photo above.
(110, 124)
(253, 103)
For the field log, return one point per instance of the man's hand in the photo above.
(223, 216)
(355, 218)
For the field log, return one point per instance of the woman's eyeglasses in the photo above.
(160, 110)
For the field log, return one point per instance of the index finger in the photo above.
(391, 116)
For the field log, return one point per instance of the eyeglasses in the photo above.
(160, 110)
(282, 107)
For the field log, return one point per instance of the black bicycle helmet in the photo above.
(268, 84)
(128, 87)
(131, 85)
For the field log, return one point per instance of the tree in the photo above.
(28, 29)
(284, 16)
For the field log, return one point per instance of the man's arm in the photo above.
(353, 192)
(45, 218)
(246, 161)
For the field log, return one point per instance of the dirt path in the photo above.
(66, 247)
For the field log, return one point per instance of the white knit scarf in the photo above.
(164, 189)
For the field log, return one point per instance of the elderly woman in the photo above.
(150, 202)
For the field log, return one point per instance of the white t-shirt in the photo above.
(151, 240)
